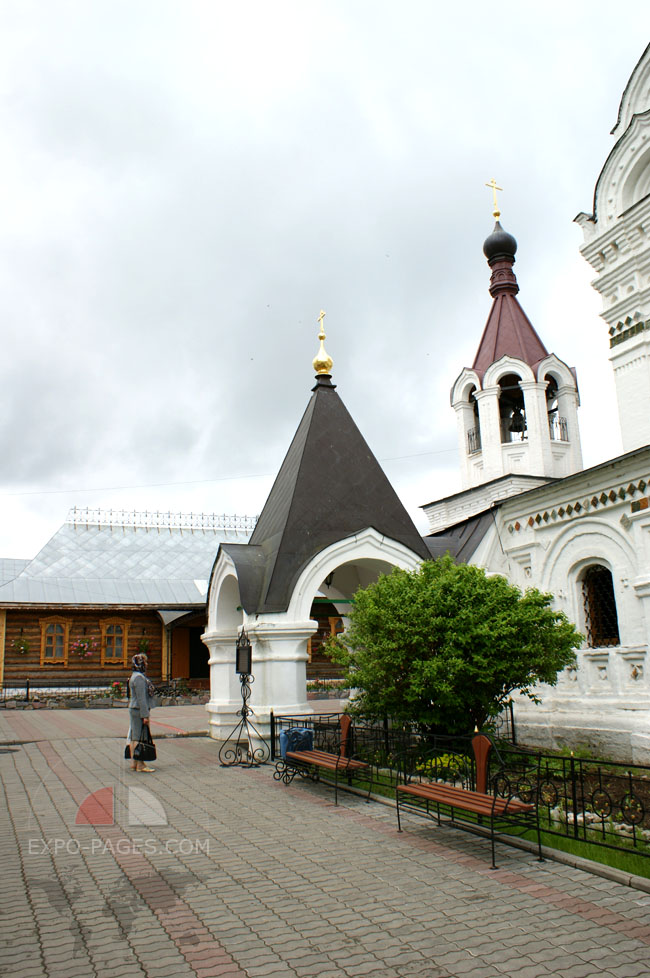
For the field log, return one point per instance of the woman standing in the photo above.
(141, 695)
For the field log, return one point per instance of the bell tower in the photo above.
(517, 406)
(617, 246)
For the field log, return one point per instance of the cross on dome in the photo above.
(322, 362)
(493, 187)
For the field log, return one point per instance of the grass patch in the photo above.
(627, 861)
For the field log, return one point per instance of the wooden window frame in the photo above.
(104, 625)
(46, 660)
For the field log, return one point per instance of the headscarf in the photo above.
(139, 663)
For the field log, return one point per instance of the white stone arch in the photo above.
(635, 95)
(636, 183)
(580, 544)
(224, 611)
(460, 392)
(552, 366)
(624, 176)
(368, 545)
(588, 538)
(507, 365)
(225, 617)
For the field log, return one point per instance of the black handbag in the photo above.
(145, 749)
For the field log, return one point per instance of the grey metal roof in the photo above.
(462, 539)
(10, 568)
(160, 566)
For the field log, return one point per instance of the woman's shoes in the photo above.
(147, 770)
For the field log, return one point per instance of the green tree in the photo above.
(446, 645)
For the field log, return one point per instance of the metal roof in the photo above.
(10, 568)
(460, 541)
(329, 487)
(160, 562)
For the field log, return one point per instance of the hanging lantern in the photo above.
(243, 655)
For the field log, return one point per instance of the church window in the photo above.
(114, 641)
(54, 642)
(601, 617)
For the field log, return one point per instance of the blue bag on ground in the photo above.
(297, 738)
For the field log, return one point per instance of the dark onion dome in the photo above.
(499, 244)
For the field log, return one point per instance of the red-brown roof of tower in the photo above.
(508, 330)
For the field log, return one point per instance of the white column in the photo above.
(465, 421)
(488, 410)
(540, 458)
(567, 407)
(279, 664)
(225, 689)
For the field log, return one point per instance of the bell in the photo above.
(517, 422)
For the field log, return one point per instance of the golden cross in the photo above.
(493, 187)
(320, 322)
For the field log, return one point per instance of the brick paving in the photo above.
(20, 726)
(198, 870)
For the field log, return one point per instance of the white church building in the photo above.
(527, 509)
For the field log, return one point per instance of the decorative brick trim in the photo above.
(580, 507)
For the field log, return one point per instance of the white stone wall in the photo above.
(546, 539)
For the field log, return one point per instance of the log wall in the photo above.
(26, 625)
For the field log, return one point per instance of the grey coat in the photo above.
(140, 700)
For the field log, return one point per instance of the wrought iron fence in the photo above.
(503, 726)
(28, 689)
(88, 516)
(377, 743)
(604, 803)
(473, 441)
(558, 428)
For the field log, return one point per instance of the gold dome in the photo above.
(322, 362)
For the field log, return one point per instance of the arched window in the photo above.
(601, 617)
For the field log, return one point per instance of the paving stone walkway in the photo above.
(20, 726)
(202, 871)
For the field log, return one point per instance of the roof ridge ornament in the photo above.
(90, 516)
(322, 362)
(496, 213)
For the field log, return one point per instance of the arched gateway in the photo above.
(332, 523)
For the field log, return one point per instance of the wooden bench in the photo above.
(339, 764)
(507, 798)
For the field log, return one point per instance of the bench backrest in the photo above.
(481, 745)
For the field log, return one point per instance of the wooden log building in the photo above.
(112, 583)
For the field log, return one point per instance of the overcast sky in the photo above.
(184, 185)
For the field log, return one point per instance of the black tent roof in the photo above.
(329, 487)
